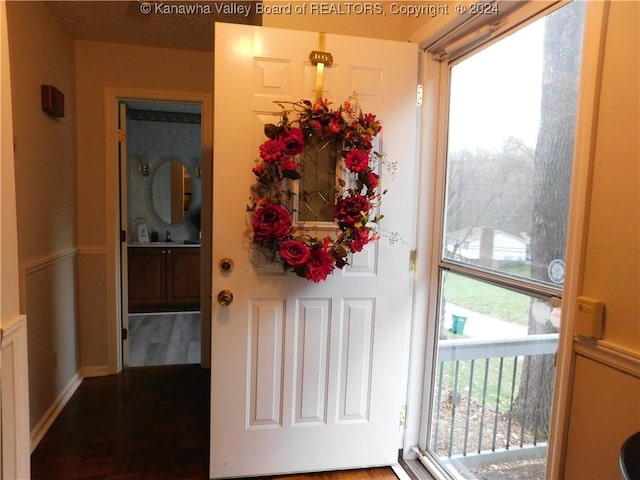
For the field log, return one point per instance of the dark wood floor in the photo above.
(144, 423)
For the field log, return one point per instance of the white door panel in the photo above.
(307, 376)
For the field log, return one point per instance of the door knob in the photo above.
(225, 297)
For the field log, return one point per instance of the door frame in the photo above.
(428, 237)
(114, 300)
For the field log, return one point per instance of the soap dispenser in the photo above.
(167, 238)
(143, 234)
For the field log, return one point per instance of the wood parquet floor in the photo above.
(146, 423)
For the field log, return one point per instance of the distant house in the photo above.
(478, 244)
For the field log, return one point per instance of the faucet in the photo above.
(167, 238)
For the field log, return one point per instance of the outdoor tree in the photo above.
(552, 184)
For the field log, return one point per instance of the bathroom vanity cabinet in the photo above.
(163, 278)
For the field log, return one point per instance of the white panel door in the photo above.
(307, 376)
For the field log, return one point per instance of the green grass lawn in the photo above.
(481, 392)
(487, 299)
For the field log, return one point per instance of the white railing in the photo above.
(477, 384)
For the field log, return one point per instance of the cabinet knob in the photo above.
(225, 297)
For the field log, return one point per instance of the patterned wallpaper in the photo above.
(156, 142)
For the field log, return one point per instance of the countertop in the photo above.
(163, 244)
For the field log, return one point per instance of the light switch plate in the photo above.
(589, 317)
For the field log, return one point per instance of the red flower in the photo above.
(292, 140)
(320, 264)
(357, 160)
(341, 262)
(371, 180)
(316, 125)
(360, 239)
(333, 128)
(370, 121)
(259, 170)
(271, 150)
(271, 223)
(288, 163)
(294, 252)
(350, 210)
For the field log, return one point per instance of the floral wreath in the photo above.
(356, 200)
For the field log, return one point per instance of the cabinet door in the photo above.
(183, 277)
(147, 277)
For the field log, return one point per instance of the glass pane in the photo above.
(493, 381)
(317, 188)
(510, 150)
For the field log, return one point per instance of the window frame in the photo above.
(434, 120)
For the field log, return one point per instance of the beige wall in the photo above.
(605, 405)
(386, 22)
(376, 25)
(49, 203)
(9, 294)
(612, 263)
(100, 66)
(42, 52)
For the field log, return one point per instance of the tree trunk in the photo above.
(552, 184)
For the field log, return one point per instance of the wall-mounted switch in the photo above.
(589, 317)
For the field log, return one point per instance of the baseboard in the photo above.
(95, 371)
(45, 422)
(400, 472)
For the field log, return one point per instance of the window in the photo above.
(510, 106)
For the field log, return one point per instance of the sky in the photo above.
(496, 93)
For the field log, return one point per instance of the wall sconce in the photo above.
(144, 169)
(52, 101)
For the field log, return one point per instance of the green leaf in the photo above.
(292, 174)
(270, 131)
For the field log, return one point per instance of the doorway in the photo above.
(161, 210)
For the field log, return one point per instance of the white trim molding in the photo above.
(584, 150)
(16, 456)
(42, 263)
(112, 95)
(609, 354)
(45, 422)
(92, 250)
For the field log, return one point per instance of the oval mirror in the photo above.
(172, 191)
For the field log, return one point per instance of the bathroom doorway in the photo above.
(161, 205)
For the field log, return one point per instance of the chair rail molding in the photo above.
(33, 266)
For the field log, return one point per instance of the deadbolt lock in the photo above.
(226, 265)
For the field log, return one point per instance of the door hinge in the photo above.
(122, 135)
(125, 334)
(413, 258)
(403, 415)
(419, 95)
(123, 236)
